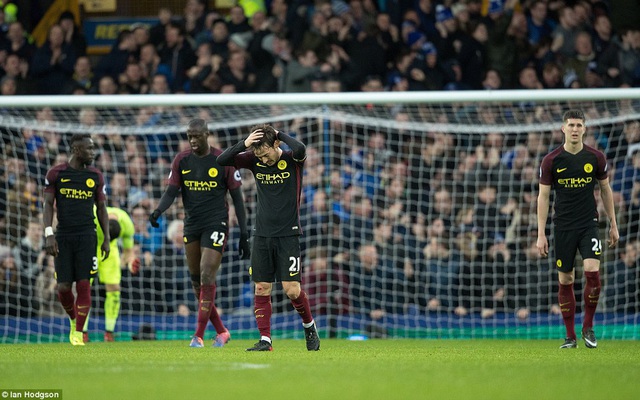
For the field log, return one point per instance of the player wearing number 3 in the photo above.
(204, 185)
(276, 244)
(572, 170)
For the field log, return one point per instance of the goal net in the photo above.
(418, 211)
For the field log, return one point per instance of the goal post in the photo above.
(418, 210)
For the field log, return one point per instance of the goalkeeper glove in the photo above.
(134, 266)
(153, 218)
(243, 247)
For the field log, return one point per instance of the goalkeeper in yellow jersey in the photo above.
(110, 270)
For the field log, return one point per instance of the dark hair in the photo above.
(198, 124)
(269, 137)
(124, 34)
(114, 229)
(573, 114)
(78, 137)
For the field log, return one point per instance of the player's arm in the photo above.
(127, 232)
(166, 200)
(103, 219)
(298, 149)
(50, 243)
(607, 200)
(238, 203)
(227, 157)
(543, 213)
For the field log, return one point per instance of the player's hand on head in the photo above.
(244, 249)
(253, 137)
(153, 218)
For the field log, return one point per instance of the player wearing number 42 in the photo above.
(204, 185)
(276, 243)
(572, 170)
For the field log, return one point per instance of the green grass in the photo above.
(373, 369)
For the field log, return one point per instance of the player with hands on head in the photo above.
(572, 171)
(75, 187)
(204, 184)
(276, 241)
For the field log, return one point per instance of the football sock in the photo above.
(591, 297)
(86, 323)
(204, 308)
(262, 311)
(85, 328)
(111, 310)
(83, 303)
(67, 300)
(567, 302)
(301, 304)
(215, 317)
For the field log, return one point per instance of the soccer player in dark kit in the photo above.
(572, 170)
(204, 184)
(275, 252)
(74, 187)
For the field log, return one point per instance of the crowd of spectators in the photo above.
(334, 45)
(394, 221)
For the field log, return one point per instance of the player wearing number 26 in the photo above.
(276, 245)
(203, 184)
(573, 170)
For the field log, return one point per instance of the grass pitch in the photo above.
(373, 369)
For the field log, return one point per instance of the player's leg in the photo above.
(110, 275)
(591, 250)
(262, 272)
(64, 275)
(85, 267)
(565, 247)
(85, 329)
(209, 265)
(193, 253)
(212, 245)
(290, 275)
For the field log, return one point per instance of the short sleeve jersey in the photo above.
(279, 188)
(573, 178)
(127, 229)
(76, 192)
(204, 184)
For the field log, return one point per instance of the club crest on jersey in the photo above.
(282, 164)
(588, 168)
(90, 183)
(213, 172)
(559, 263)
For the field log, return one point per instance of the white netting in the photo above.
(418, 211)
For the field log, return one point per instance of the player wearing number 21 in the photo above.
(572, 170)
(275, 252)
(204, 185)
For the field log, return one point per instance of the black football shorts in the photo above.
(214, 237)
(77, 259)
(275, 259)
(568, 243)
